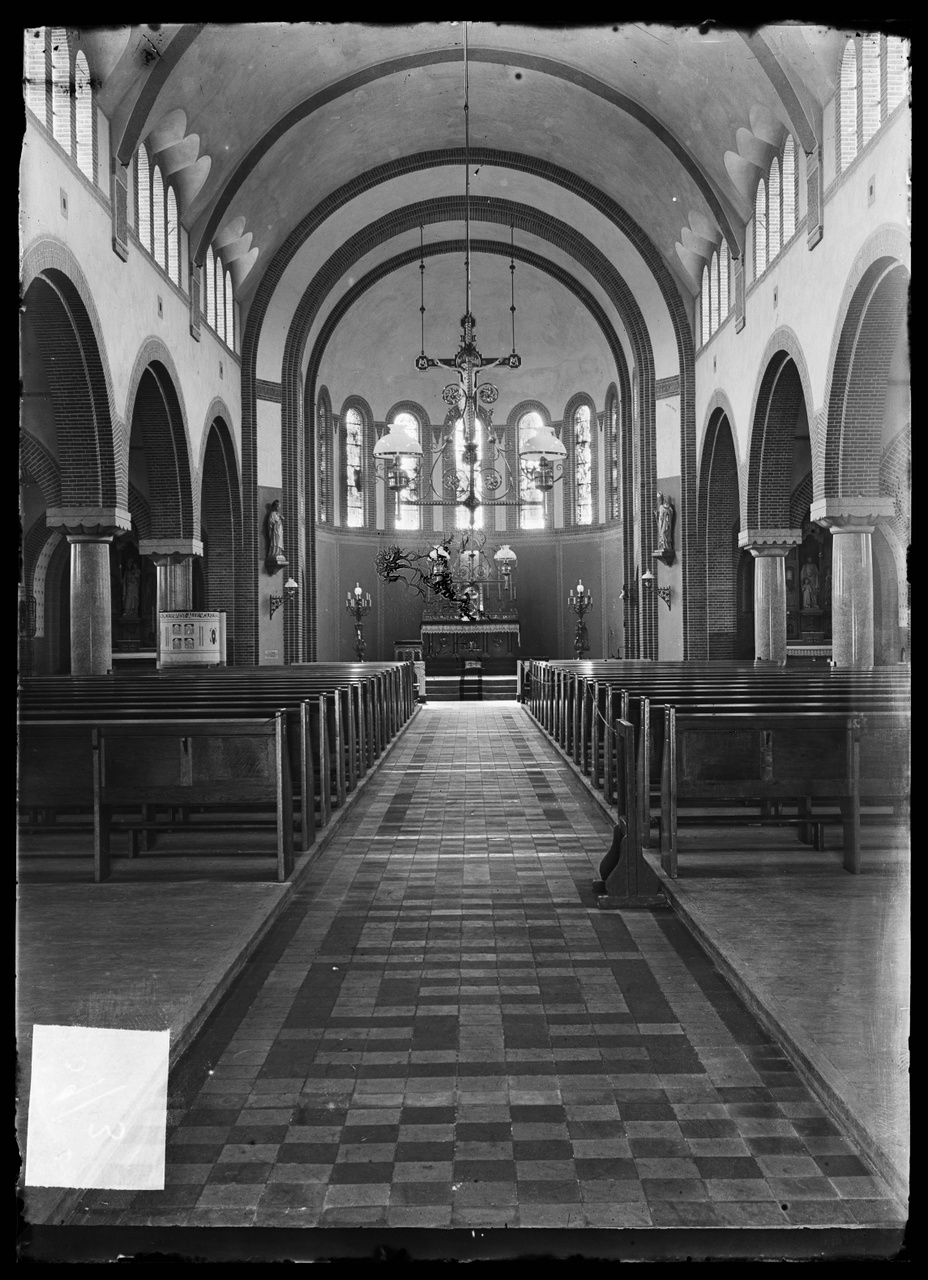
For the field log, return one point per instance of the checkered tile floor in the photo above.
(444, 1031)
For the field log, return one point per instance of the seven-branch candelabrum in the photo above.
(358, 605)
(580, 602)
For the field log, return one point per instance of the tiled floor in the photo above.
(443, 1031)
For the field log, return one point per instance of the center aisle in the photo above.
(443, 1030)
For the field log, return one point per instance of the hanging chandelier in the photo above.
(461, 473)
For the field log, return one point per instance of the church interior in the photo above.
(464, 636)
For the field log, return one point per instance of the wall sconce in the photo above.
(649, 582)
(290, 590)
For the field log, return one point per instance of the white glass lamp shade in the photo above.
(505, 557)
(544, 444)
(397, 441)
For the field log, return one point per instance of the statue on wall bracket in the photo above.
(275, 538)
(664, 515)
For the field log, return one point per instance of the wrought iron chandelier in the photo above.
(467, 479)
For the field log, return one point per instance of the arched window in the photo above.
(724, 277)
(847, 105)
(760, 229)
(704, 330)
(870, 85)
(612, 421)
(354, 493)
(714, 293)
(61, 88)
(789, 189)
(230, 313)
(36, 73)
(173, 238)
(407, 516)
(220, 322)
(532, 512)
(773, 218)
(157, 204)
(897, 72)
(209, 289)
(324, 456)
(143, 198)
(83, 113)
(583, 466)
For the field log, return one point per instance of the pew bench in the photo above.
(713, 760)
(224, 765)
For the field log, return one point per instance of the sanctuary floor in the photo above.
(442, 1030)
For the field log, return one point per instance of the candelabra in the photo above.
(580, 601)
(358, 605)
(649, 582)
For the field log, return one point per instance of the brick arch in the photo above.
(528, 406)
(217, 409)
(90, 454)
(221, 512)
(417, 411)
(857, 394)
(435, 208)
(157, 414)
(780, 393)
(895, 482)
(719, 400)
(644, 412)
(719, 518)
(37, 462)
(888, 242)
(46, 557)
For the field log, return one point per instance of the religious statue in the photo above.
(275, 534)
(808, 581)
(664, 514)
(130, 590)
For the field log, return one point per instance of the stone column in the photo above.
(173, 559)
(851, 521)
(90, 530)
(769, 547)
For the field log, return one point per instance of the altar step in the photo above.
(471, 688)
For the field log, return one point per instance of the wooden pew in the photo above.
(225, 764)
(716, 759)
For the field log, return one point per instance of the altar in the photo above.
(451, 644)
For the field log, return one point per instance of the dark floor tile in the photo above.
(709, 1128)
(193, 1153)
(427, 1115)
(483, 1131)
(526, 1113)
(284, 1194)
(818, 1212)
(360, 1171)
(814, 1127)
(595, 1130)
(419, 1152)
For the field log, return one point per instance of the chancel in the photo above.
(464, 635)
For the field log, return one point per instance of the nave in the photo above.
(442, 1030)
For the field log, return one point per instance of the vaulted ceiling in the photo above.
(311, 133)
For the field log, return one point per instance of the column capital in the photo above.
(170, 550)
(769, 542)
(94, 523)
(852, 515)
